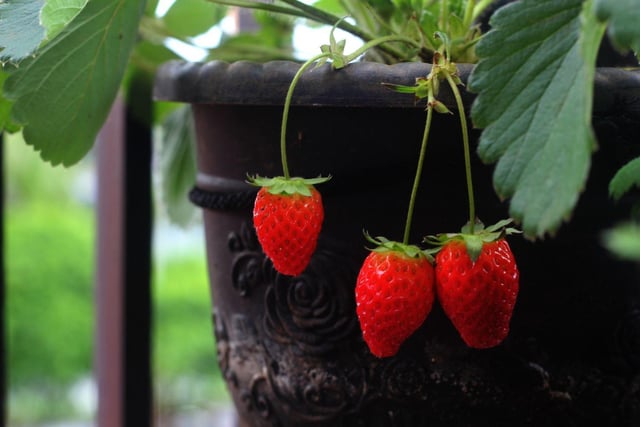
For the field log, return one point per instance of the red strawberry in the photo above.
(287, 216)
(478, 296)
(394, 295)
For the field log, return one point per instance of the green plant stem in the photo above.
(373, 43)
(416, 180)
(287, 105)
(468, 13)
(467, 151)
(267, 7)
(444, 16)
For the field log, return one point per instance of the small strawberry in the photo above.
(394, 295)
(477, 283)
(287, 216)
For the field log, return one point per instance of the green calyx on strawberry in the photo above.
(477, 282)
(287, 216)
(282, 185)
(394, 294)
(474, 238)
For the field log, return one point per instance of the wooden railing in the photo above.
(123, 272)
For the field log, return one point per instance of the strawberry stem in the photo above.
(287, 105)
(416, 180)
(340, 61)
(467, 152)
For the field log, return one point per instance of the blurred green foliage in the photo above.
(50, 256)
(181, 294)
(185, 367)
(49, 300)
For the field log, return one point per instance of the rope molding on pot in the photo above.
(222, 194)
(222, 201)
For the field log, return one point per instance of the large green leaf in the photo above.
(63, 95)
(56, 14)
(624, 21)
(177, 164)
(535, 88)
(20, 29)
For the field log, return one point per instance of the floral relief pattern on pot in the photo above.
(251, 268)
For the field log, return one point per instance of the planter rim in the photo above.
(252, 83)
(265, 84)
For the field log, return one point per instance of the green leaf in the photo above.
(20, 29)
(63, 96)
(535, 89)
(334, 7)
(177, 164)
(56, 14)
(623, 18)
(624, 241)
(626, 178)
(188, 18)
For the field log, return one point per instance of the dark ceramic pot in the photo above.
(291, 349)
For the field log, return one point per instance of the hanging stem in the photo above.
(467, 151)
(346, 59)
(416, 180)
(285, 112)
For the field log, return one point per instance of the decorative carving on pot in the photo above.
(313, 313)
(250, 267)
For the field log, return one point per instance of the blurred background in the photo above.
(50, 302)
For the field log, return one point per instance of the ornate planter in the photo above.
(291, 349)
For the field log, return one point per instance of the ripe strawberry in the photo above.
(394, 295)
(287, 216)
(478, 296)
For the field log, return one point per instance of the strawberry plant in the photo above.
(530, 102)
(288, 211)
(533, 80)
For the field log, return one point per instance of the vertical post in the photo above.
(123, 348)
(137, 280)
(109, 348)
